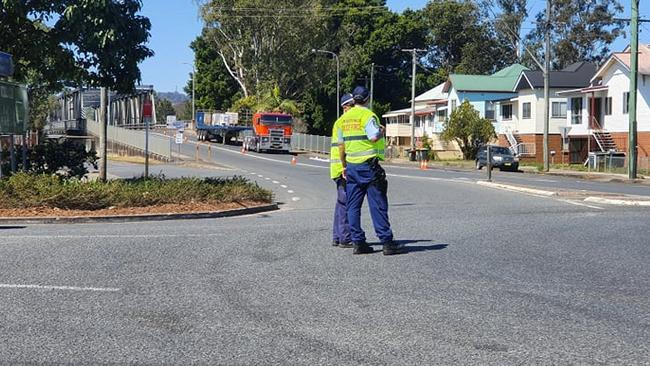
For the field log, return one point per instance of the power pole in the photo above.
(547, 77)
(103, 132)
(414, 52)
(372, 84)
(634, 69)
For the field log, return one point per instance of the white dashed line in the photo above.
(64, 288)
(260, 175)
(295, 199)
(283, 186)
(276, 182)
(253, 173)
(267, 178)
(289, 191)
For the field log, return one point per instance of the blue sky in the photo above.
(175, 23)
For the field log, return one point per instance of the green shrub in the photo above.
(41, 190)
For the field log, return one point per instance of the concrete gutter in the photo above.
(137, 218)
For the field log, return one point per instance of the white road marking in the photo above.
(63, 288)
(319, 159)
(253, 173)
(260, 175)
(295, 199)
(269, 159)
(580, 204)
(546, 180)
(276, 182)
(289, 191)
(283, 186)
(267, 178)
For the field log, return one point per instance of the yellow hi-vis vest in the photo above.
(336, 166)
(358, 148)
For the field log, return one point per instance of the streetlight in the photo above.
(193, 88)
(338, 79)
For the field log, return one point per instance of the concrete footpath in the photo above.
(595, 176)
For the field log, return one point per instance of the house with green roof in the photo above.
(483, 91)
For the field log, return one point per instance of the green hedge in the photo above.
(27, 190)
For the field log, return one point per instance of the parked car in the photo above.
(502, 158)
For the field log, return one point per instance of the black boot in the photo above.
(392, 248)
(362, 248)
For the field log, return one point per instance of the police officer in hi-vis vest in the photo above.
(361, 152)
(341, 228)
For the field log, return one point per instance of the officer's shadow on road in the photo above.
(420, 248)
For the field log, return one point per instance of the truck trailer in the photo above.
(220, 127)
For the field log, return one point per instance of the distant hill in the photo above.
(174, 97)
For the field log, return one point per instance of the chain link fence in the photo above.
(617, 164)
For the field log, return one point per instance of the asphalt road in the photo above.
(491, 277)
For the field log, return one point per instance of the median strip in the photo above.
(618, 201)
(537, 192)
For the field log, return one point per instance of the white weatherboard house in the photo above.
(598, 114)
(520, 119)
(430, 116)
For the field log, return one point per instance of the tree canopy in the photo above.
(71, 42)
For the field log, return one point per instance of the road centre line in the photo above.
(283, 185)
(62, 288)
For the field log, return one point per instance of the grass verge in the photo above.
(31, 191)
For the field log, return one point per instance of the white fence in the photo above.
(158, 145)
(312, 143)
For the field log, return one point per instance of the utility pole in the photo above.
(103, 132)
(414, 52)
(372, 84)
(634, 69)
(547, 77)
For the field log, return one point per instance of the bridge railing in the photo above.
(158, 145)
(311, 143)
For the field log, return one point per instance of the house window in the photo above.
(441, 115)
(489, 110)
(506, 112)
(558, 110)
(576, 111)
(525, 113)
(453, 105)
(626, 102)
(608, 106)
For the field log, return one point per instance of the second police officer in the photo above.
(361, 152)
(340, 228)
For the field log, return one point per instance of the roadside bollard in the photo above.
(210, 153)
(196, 155)
(489, 163)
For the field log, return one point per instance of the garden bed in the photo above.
(25, 195)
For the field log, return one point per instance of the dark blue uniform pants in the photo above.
(341, 228)
(369, 179)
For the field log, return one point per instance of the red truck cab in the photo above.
(272, 132)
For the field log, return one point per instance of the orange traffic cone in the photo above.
(294, 160)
